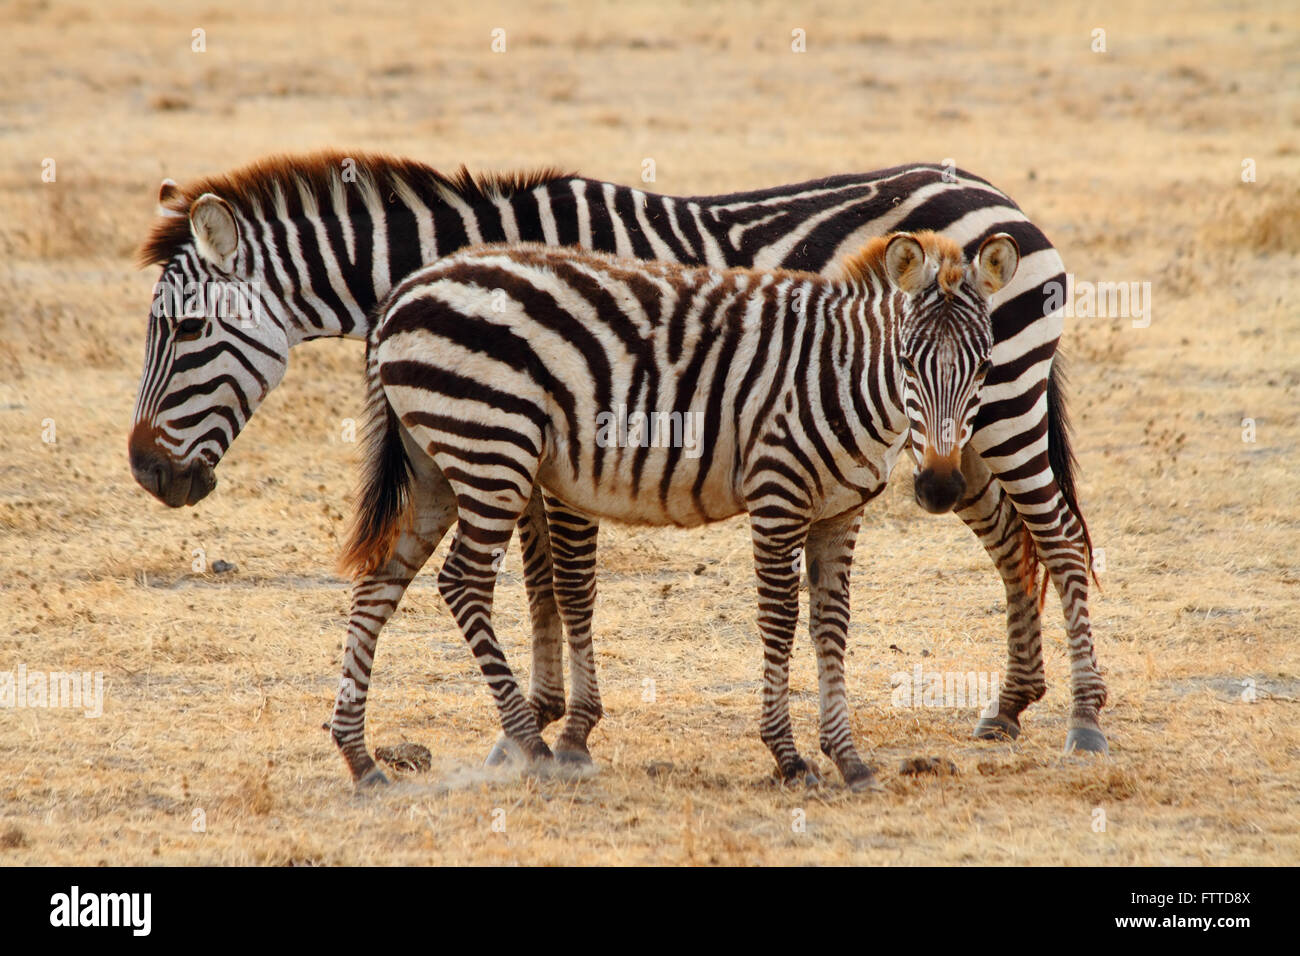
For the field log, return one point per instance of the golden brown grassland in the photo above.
(216, 686)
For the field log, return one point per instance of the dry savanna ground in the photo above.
(216, 685)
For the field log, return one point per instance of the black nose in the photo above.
(160, 475)
(149, 466)
(937, 493)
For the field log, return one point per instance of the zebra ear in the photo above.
(995, 263)
(169, 194)
(905, 262)
(216, 234)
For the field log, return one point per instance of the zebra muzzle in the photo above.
(171, 482)
(936, 490)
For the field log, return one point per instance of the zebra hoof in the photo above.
(801, 775)
(501, 753)
(1087, 740)
(573, 764)
(574, 757)
(996, 728)
(865, 782)
(374, 777)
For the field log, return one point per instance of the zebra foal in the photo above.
(490, 370)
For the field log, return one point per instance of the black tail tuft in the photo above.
(384, 492)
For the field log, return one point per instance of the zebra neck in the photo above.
(330, 269)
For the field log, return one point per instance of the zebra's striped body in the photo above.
(324, 238)
(497, 366)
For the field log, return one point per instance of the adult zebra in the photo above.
(319, 240)
(490, 370)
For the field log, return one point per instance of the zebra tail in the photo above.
(1060, 455)
(384, 493)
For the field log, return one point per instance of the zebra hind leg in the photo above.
(988, 513)
(1063, 550)
(467, 582)
(573, 541)
(374, 599)
(1069, 568)
(546, 678)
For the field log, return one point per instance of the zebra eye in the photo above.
(187, 329)
(983, 369)
(907, 364)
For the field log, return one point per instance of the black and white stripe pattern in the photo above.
(499, 368)
(324, 238)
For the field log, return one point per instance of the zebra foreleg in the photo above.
(777, 560)
(829, 559)
(374, 599)
(989, 514)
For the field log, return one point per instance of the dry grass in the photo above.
(216, 686)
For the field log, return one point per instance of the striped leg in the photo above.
(374, 599)
(573, 543)
(466, 582)
(777, 558)
(988, 512)
(1063, 552)
(570, 548)
(829, 557)
(1021, 456)
(546, 679)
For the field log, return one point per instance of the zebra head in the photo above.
(945, 340)
(215, 347)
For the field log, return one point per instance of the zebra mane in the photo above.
(869, 261)
(274, 185)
